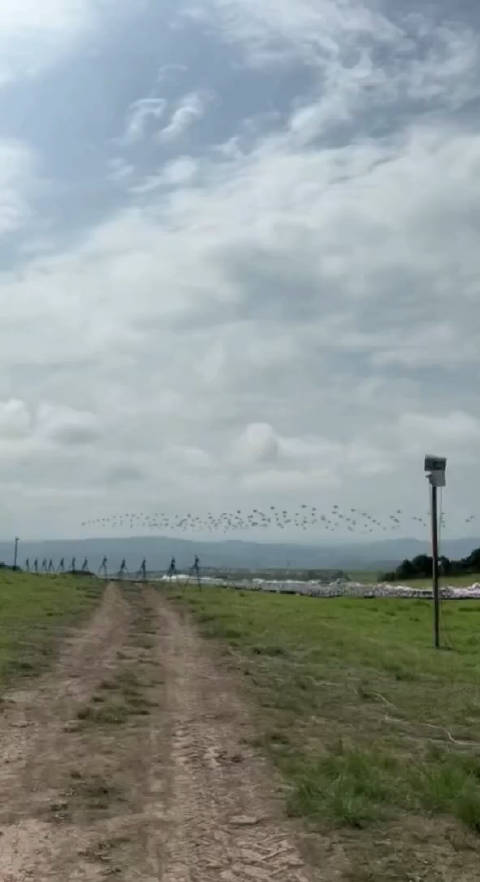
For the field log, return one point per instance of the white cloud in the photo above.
(142, 115)
(369, 69)
(190, 108)
(15, 420)
(448, 68)
(181, 457)
(273, 32)
(182, 170)
(123, 473)
(52, 15)
(427, 345)
(42, 445)
(454, 432)
(65, 425)
(34, 36)
(266, 454)
(257, 444)
(263, 305)
(293, 311)
(361, 58)
(287, 483)
(17, 177)
(119, 170)
(168, 72)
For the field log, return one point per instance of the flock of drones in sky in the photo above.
(304, 518)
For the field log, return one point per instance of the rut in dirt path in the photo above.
(224, 820)
(34, 740)
(131, 760)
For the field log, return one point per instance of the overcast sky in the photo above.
(240, 256)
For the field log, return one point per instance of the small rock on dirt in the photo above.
(244, 821)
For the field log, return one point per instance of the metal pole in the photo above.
(15, 556)
(436, 596)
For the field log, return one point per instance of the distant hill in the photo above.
(386, 554)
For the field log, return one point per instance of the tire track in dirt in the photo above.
(130, 760)
(224, 821)
(34, 740)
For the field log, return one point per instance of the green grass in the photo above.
(35, 612)
(460, 581)
(116, 701)
(367, 577)
(93, 794)
(365, 721)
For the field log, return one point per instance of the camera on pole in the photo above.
(435, 467)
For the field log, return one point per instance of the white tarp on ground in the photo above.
(338, 588)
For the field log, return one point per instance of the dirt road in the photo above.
(131, 760)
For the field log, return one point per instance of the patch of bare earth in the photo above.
(36, 748)
(129, 760)
(224, 820)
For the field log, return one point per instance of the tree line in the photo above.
(420, 567)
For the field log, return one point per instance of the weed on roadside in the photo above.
(119, 699)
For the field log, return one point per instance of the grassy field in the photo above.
(365, 721)
(369, 577)
(35, 612)
(460, 581)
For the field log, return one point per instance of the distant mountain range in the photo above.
(158, 551)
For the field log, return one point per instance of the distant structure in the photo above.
(51, 568)
(27, 565)
(74, 565)
(103, 567)
(61, 566)
(44, 565)
(35, 565)
(196, 569)
(85, 566)
(15, 553)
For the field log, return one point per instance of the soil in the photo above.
(132, 760)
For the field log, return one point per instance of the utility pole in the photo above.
(15, 554)
(436, 595)
(435, 467)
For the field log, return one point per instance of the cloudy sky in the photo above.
(240, 257)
